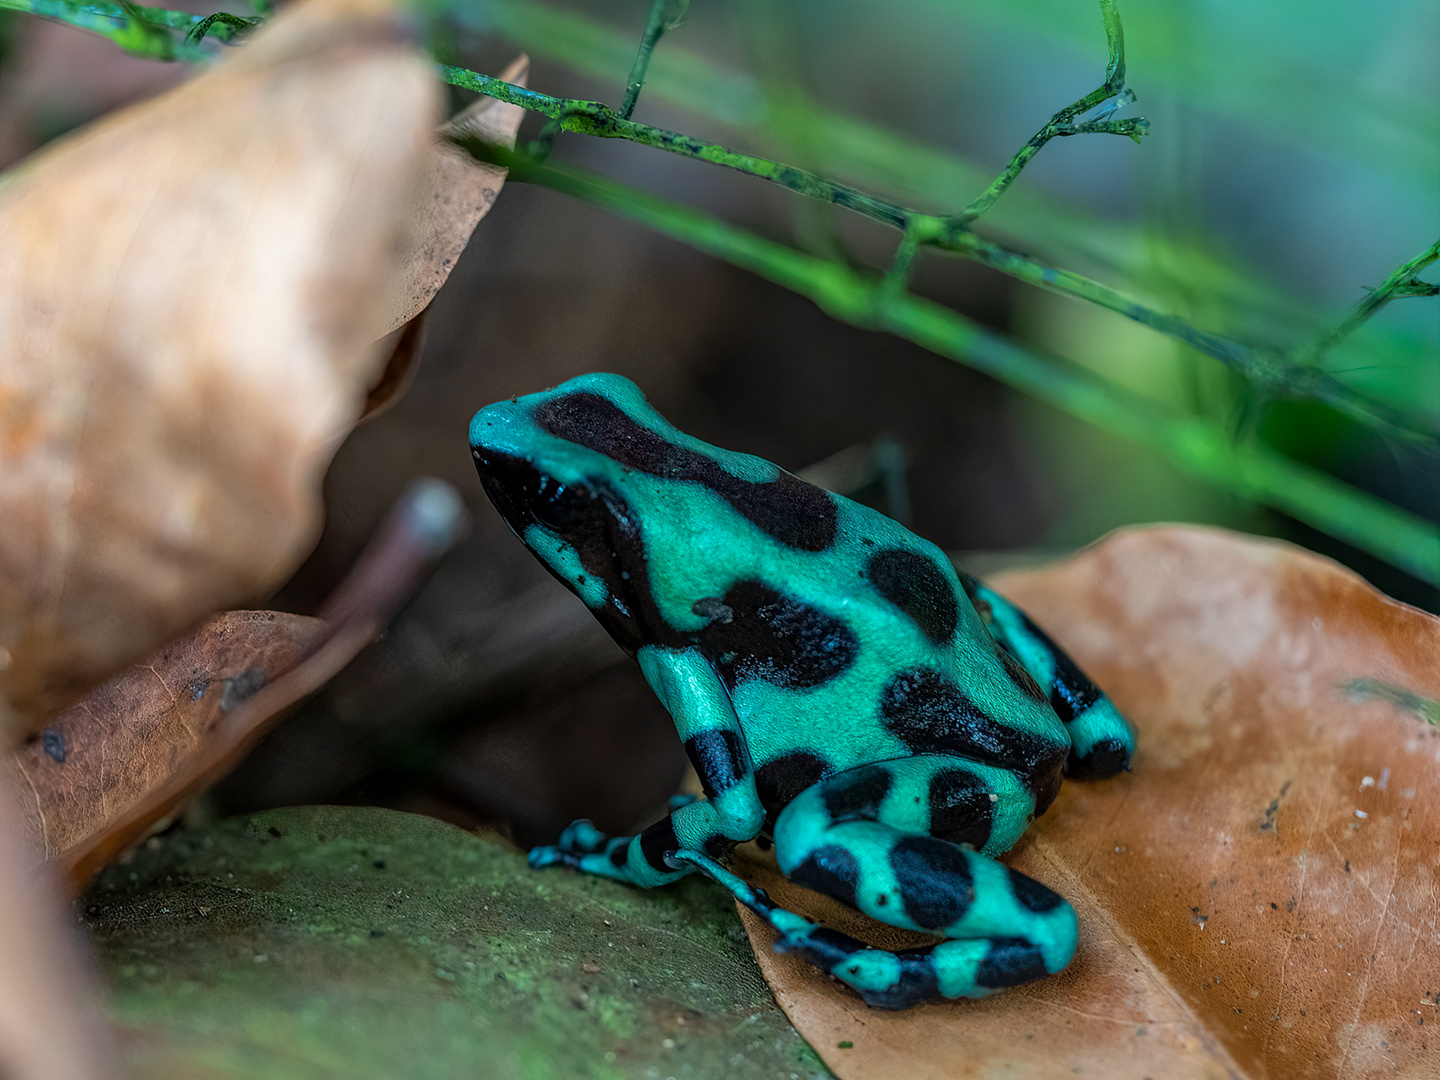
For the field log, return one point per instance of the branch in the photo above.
(665, 15)
(143, 31)
(593, 118)
(1273, 375)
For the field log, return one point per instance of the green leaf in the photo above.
(356, 942)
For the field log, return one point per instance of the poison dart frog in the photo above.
(888, 724)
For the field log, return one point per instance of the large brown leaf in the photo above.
(188, 299)
(455, 192)
(1259, 897)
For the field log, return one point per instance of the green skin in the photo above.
(891, 725)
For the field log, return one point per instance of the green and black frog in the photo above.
(890, 725)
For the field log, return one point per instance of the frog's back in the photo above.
(866, 651)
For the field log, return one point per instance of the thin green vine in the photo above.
(1271, 373)
(1197, 447)
(665, 15)
(1109, 96)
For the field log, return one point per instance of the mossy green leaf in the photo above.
(354, 942)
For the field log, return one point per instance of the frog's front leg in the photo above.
(908, 842)
(731, 810)
(1101, 740)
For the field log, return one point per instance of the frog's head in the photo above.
(556, 465)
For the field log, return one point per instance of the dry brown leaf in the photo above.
(106, 752)
(137, 748)
(1259, 898)
(456, 192)
(186, 295)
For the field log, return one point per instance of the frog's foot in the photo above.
(677, 801)
(585, 848)
(643, 860)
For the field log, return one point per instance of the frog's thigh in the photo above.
(865, 837)
(1101, 740)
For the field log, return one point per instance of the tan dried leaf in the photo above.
(1259, 897)
(104, 754)
(455, 193)
(187, 292)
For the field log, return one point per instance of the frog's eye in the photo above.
(558, 506)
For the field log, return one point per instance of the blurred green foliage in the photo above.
(1190, 294)
(1156, 262)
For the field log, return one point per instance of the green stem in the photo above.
(100, 17)
(593, 118)
(1271, 374)
(664, 15)
(1195, 446)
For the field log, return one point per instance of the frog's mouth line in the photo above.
(597, 522)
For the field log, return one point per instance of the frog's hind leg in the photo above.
(898, 840)
(1102, 742)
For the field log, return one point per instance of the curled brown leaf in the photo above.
(1258, 899)
(456, 191)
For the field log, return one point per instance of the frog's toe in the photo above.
(582, 838)
(550, 855)
(677, 801)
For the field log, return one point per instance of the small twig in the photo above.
(1112, 90)
(234, 26)
(664, 15)
(427, 519)
(1272, 374)
(1401, 282)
